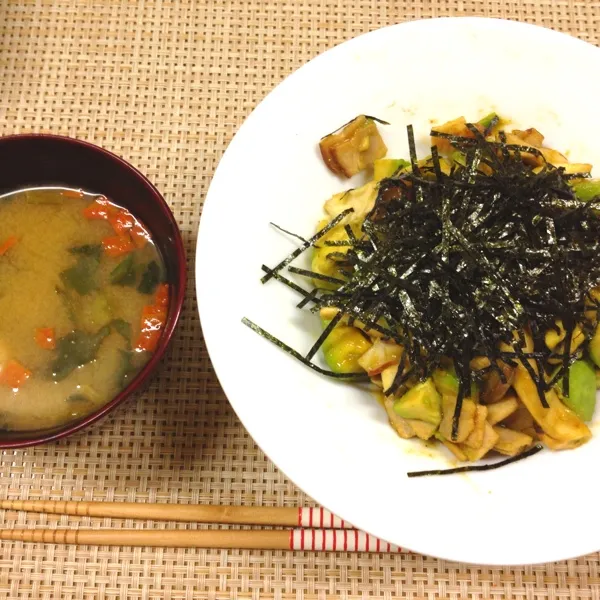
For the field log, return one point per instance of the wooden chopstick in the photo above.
(336, 540)
(198, 513)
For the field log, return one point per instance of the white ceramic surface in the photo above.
(331, 439)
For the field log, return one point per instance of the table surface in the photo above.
(165, 84)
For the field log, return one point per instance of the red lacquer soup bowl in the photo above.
(35, 160)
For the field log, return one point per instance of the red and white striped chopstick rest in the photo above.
(322, 518)
(338, 540)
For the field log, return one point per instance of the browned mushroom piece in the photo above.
(353, 148)
(494, 388)
(457, 127)
(530, 136)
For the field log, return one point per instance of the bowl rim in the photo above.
(178, 294)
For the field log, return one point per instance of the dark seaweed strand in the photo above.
(381, 121)
(286, 281)
(298, 237)
(315, 275)
(307, 244)
(569, 326)
(310, 297)
(324, 334)
(298, 356)
(487, 467)
(377, 120)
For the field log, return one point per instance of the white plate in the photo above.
(331, 439)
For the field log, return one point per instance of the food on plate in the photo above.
(83, 301)
(353, 147)
(464, 285)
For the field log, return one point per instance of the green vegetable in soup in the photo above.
(123, 328)
(74, 350)
(81, 277)
(92, 311)
(124, 273)
(150, 278)
(93, 250)
(582, 389)
(126, 370)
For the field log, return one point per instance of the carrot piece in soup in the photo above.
(154, 317)
(100, 209)
(7, 244)
(162, 295)
(139, 235)
(153, 321)
(14, 374)
(117, 245)
(45, 338)
(122, 221)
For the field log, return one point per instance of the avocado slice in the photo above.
(421, 402)
(582, 389)
(446, 382)
(343, 347)
(594, 347)
(386, 167)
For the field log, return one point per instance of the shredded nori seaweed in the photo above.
(486, 467)
(450, 265)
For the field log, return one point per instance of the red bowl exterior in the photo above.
(41, 159)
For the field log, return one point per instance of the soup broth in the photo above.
(83, 301)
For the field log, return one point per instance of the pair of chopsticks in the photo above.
(313, 528)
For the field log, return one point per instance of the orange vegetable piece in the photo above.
(14, 374)
(153, 320)
(162, 295)
(122, 221)
(154, 317)
(100, 208)
(45, 338)
(117, 245)
(7, 244)
(139, 235)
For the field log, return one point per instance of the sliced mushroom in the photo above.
(353, 148)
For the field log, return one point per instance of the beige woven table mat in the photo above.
(165, 84)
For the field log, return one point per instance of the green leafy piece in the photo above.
(81, 277)
(123, 328)
(124, 273)
(127, 370)
(93, 250)
(75, 349)
(150, 278)
(92, 312)
(77, 398)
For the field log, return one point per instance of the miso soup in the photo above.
(83, 301)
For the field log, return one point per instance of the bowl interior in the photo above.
(39, 160)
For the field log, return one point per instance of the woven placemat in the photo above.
(165, 84)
